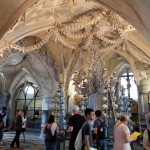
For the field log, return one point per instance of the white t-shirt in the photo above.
(24, 119)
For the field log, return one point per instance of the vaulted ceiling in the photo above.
(71, 24)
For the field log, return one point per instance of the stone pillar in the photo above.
(144, 88)
(43, 121)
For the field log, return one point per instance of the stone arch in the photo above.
(126, 61)
(38, 68)
(22, 77)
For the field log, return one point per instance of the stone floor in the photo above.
(34, 142)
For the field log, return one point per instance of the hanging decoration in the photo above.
(108, 84)
(59, 109)
(125, 106)
(105, 26)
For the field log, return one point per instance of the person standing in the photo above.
(146, 139)
(86, 130)
(122, 134)
(24, 120)
(100, 131)
(51, 130)
(2, 123)
(147, 117)
(75, 124)
(18, 128)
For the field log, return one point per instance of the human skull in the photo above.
(113, 98)
(104, 115)
(104, 107)
(117, 115)
(105, 100)
(115, 106)
(112, 90)
(104, 91)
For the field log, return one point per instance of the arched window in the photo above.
(29, 99)
(127, 80)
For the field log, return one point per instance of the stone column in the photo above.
(43, 121)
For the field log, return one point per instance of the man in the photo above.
(75, 124)
(100, 131)
(18, 128)
(86, 130)
(2, 115)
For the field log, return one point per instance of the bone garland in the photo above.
(89, 42)
(77, 66)
(103, 50)
(78, 26)
(134, 54)
(29, 48)
(117, 23)
(62, 40)
(77, 36)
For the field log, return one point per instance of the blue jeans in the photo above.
(101, 144)
(50, 145)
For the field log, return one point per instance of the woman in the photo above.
(51, 130)
(146, 139)
(122, 134)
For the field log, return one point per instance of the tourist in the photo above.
(147, 117)
(51, 130)
(75, 124)
(18, 128)
(122, 134)
(146, 139)
(87, 132)
(24, 120)
(100, 131)
(2, 123)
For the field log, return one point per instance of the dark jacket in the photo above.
(18, 123)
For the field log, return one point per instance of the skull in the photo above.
(112, 90)
(113, 98)
(117, 115)
(104, 115)
(105, 100)
(104, 91)
(104, 107)
(115, 106)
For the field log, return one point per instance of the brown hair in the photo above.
(124, 118)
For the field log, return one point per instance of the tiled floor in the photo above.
(34, 142)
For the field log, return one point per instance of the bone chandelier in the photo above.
(104, 31)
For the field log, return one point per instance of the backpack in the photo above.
(78, 142)
(102, 130)
(49, 136)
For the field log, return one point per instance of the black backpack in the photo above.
(102, 130)
(49, 136)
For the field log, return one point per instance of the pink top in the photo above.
(119, 136)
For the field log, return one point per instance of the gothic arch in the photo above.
(126, 60)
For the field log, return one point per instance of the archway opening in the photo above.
(29, 99)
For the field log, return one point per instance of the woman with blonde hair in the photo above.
(122, 134)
